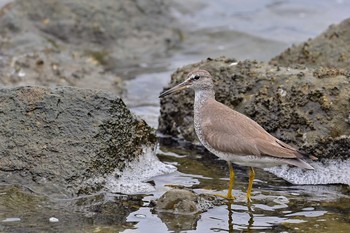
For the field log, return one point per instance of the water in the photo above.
(279, 20)
(277, 205)
(239, 29)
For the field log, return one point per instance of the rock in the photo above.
(63, 141)
(178, 201)
(180, 209)
(331, 49)
(307, 108)
(114, 34)
(52, 68)
(185, 202)
(79, 43)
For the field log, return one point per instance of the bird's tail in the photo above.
(299, 163)
(307, 155)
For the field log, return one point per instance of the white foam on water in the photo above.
(132, 179)
(326, 172)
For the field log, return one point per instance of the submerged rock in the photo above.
(64, 141)
(308, 108)
(181, 201)
(178, 201)
(180, 209)
(84, 214)
(330, 49)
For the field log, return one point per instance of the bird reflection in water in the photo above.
(231, 220)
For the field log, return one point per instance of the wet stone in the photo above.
(185, 202)
(180, 209)
(178, 201)
(64, 141)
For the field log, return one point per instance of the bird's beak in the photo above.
(179, 87)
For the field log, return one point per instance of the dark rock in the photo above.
(308, 108)
(60, 141)
(330, 49)
(113, 33)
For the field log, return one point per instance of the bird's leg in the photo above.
(229, 195)
(232, 178)
(250, 185)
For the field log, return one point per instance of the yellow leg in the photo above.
(250, 185)
(229, 195)
(230, 185)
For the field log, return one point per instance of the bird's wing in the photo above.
(230, 131)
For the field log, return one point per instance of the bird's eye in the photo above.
(196, 77)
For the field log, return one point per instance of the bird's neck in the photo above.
(200, 100)
(201, 96)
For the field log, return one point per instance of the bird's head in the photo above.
(196, 80)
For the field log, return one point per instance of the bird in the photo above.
(232, 136)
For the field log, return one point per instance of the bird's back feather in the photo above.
(229, 131)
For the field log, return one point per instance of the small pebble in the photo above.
(11, 220)
(53, 219)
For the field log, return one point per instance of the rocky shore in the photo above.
(70, 146)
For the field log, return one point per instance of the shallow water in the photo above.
(277, 205)
(238, 29)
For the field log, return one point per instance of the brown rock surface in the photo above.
(330, 49)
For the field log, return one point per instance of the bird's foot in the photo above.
(249, 200)
(227, 197)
